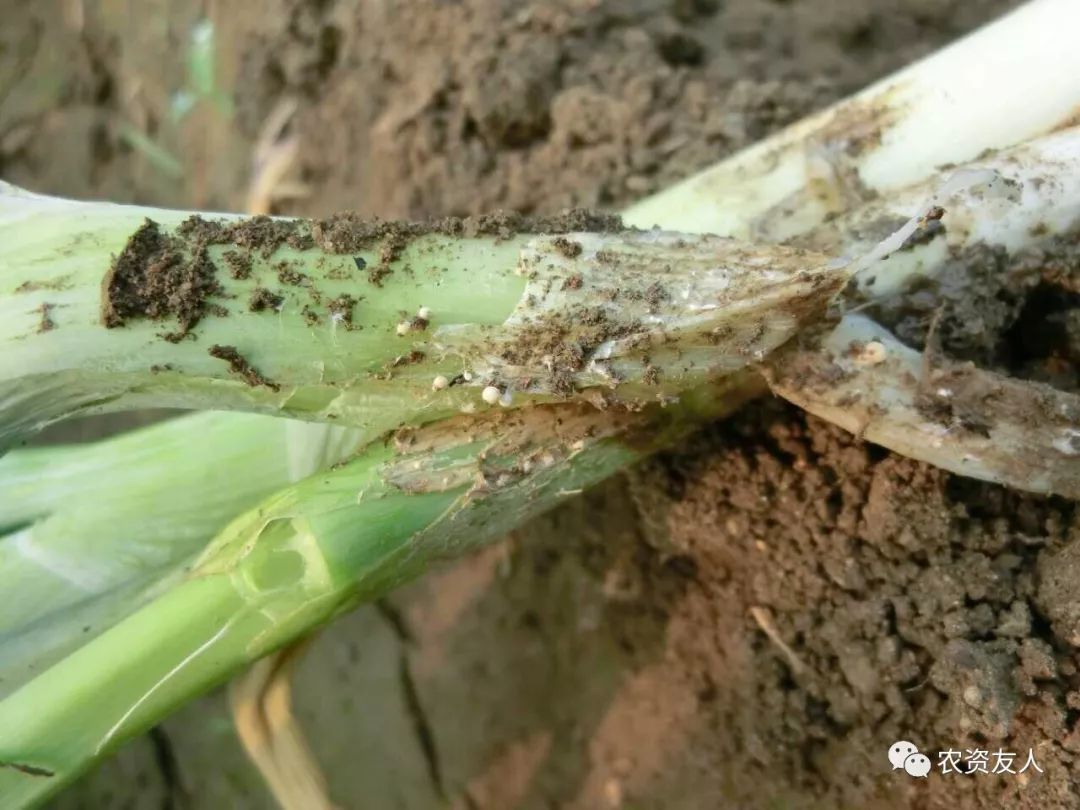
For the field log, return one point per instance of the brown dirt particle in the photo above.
(377, 273)
(547, 342)
(387, 373)
(567, 247)
(418, 324)
(262, 299)
(351, 233)
(155, 278)
(415, 356)
(288, 274)
(310, 316)
(262, 234)
(45, 323)
(655, 295)
(240, 366)
(239, 264)
(341, 309)
(61, 283)
(338, 274)
(202, 230)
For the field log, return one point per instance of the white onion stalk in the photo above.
(1013, 199)
(843, 179)
(1025, 435)
(955, 416)
(1005, 83)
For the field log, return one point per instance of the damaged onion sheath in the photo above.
(375, 325)
(314, 550)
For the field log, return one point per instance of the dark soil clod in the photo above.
(262, 299)
(288, 274)
(155, 277)
(350, 233)
(263, 234)
(567, 247)
(45, 322)
(415, 356)
(239, 365)
(239, 264)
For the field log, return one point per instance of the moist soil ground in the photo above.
(749, 621)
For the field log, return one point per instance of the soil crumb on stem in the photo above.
(239, 365)
(261, 233)
(351, 233)
(239, 264)
(155, 277)
(262, 299)
(45, 321)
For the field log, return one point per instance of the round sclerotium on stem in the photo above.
(439, 383)
(490, 395)
(871, 353)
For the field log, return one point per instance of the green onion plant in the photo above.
(463, 376)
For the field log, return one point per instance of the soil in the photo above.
(156, 276)
(239, 365)
(748, 621)
(1018, 314)
(46, 322)
(262, 299)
